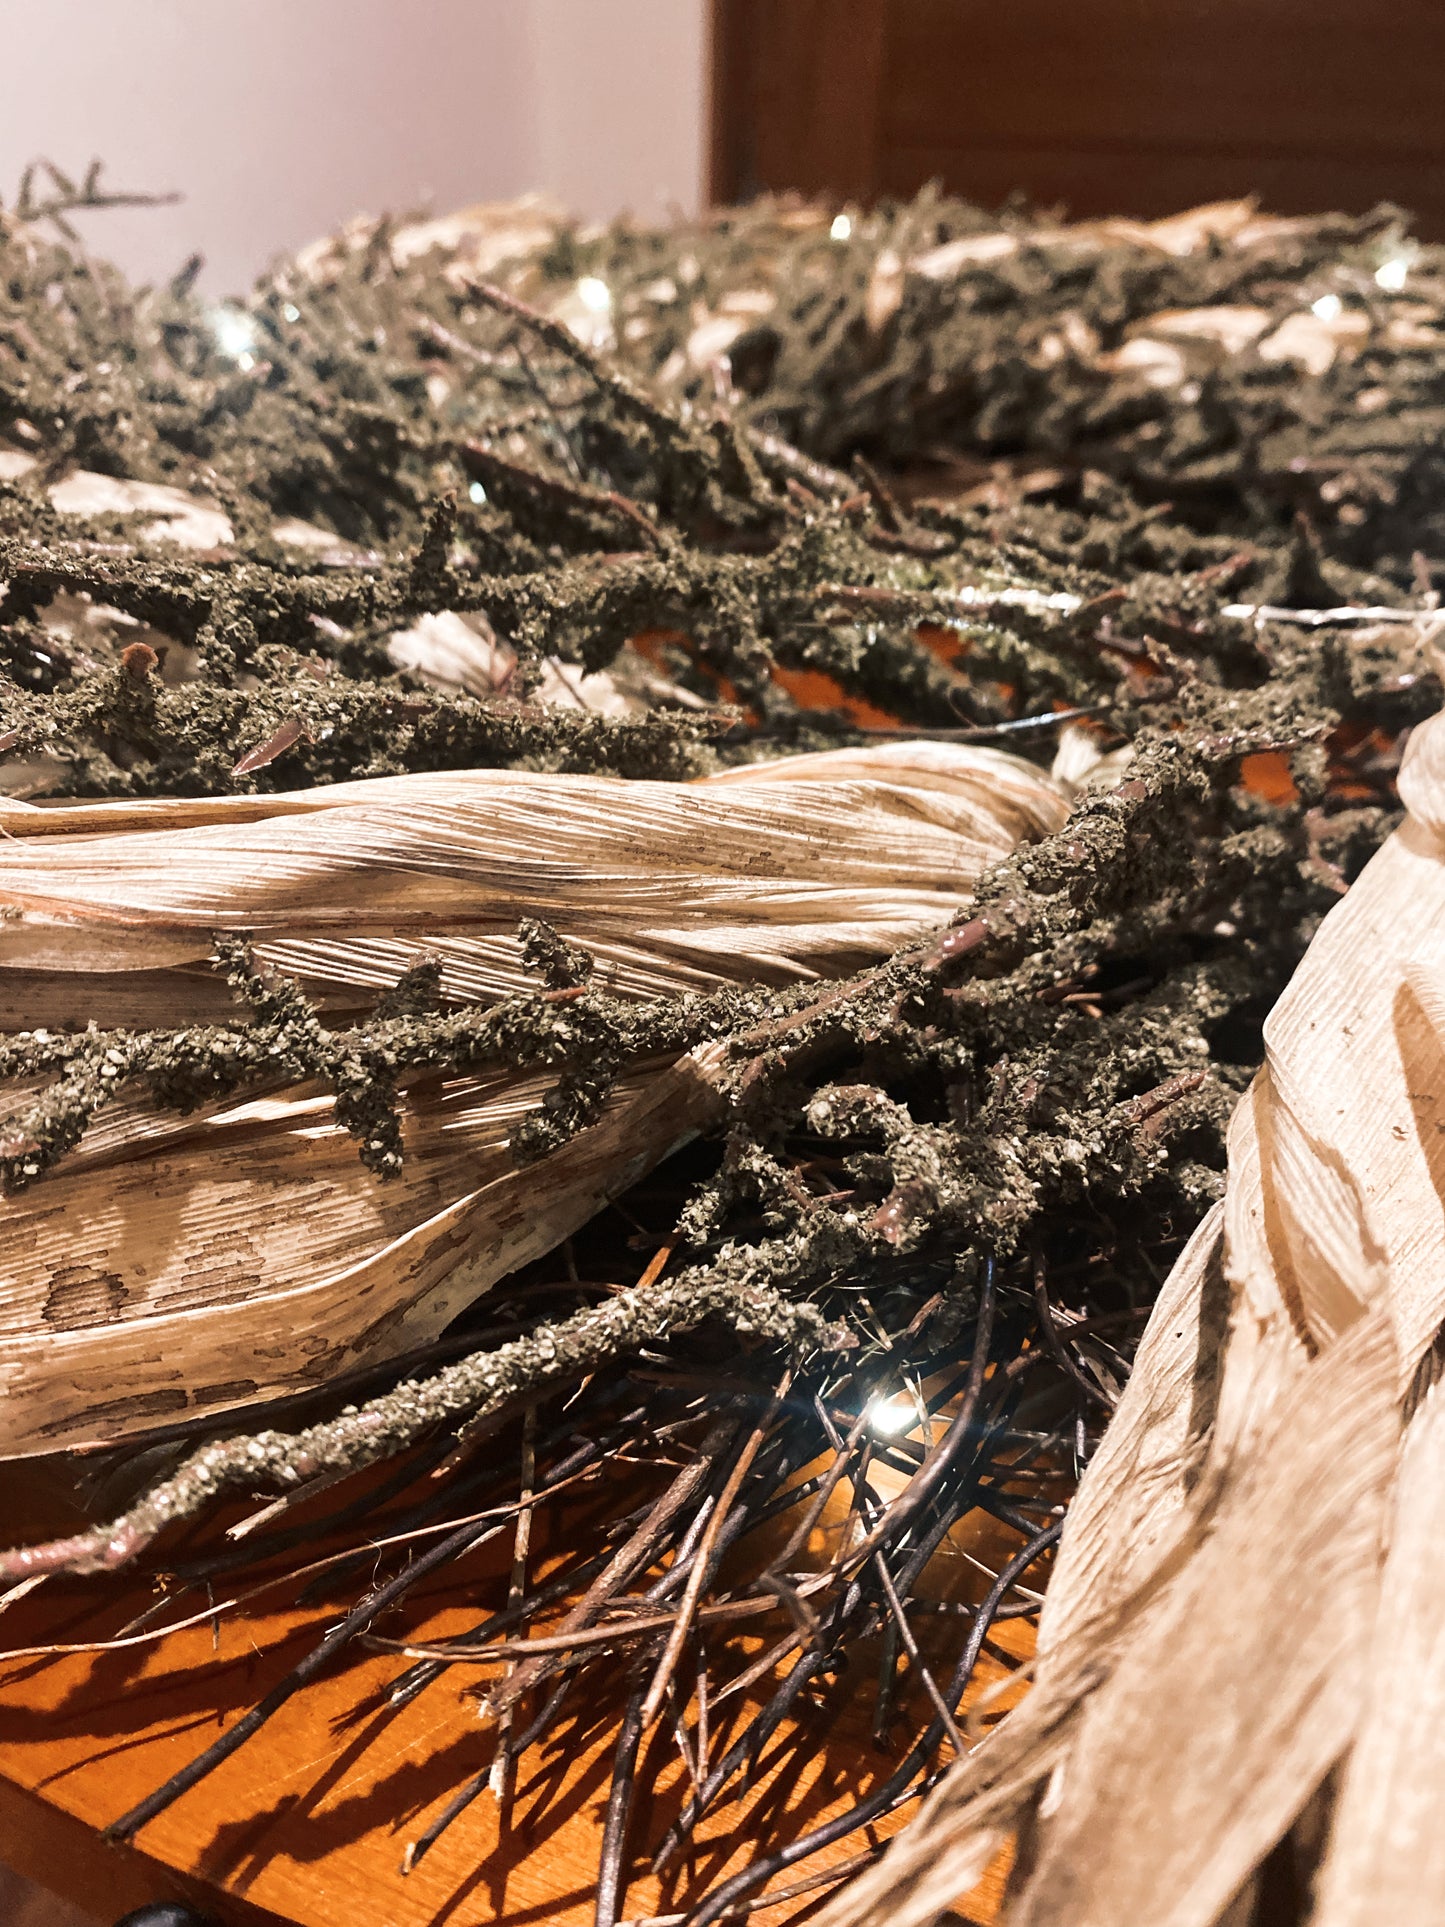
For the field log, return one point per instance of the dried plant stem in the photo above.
(982, 1097)
(610, 1866)
(940, 1457)
(703, 1562)
(632, 1557)
(722, 1899)
(487, 1382)
(1063, 1356)
(920, 1665)
(465, 1539)
(500, 1779)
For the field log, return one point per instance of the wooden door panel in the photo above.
(1331, 78)
(1118, 106)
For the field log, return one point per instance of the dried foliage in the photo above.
(499, 493)
(142, 1264)
(1242, 1640)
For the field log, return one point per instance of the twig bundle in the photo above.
(1243, 1633)
(497, 509)
(242, 1250)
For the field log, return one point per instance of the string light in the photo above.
(888, 1418)
(842, 227)
(235, 334)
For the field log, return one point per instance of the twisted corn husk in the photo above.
(186, 1265)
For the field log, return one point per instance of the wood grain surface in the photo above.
(308, 1822)
(1119, 107)
(24, 1904)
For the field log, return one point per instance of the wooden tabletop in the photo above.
(308, 1822)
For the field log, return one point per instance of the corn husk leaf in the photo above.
(1246, 1612)
(178, 1265)
(736, 878)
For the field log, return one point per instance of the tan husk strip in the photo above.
(186, 1265)
(1248, 1594)
(256, 1255)
(880, 848)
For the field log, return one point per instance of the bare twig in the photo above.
(702, 1567)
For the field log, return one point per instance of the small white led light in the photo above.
(477, 493)
(889, 1417)
(842, 227)
(1329, 307)
(1391, 274)
(594, 295)
(235, 334)
(291, 311)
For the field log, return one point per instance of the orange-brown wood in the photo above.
(308, 1822)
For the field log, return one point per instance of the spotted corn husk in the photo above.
(175, 1265)
(1245, 1635)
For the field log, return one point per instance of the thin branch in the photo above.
(702, 1567)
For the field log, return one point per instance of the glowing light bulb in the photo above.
(842, 227)
(291, 311)
(1391, 274)
(235, 334)
(1329, 307)
(594, 295)
(477, 493)
(889, 1417)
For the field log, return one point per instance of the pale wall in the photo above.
(279, 118)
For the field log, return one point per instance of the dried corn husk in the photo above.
(183, 1265)
(1237, 224)
(453, 651)
(476, 241)
(1248, 1596)
(738, 877)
